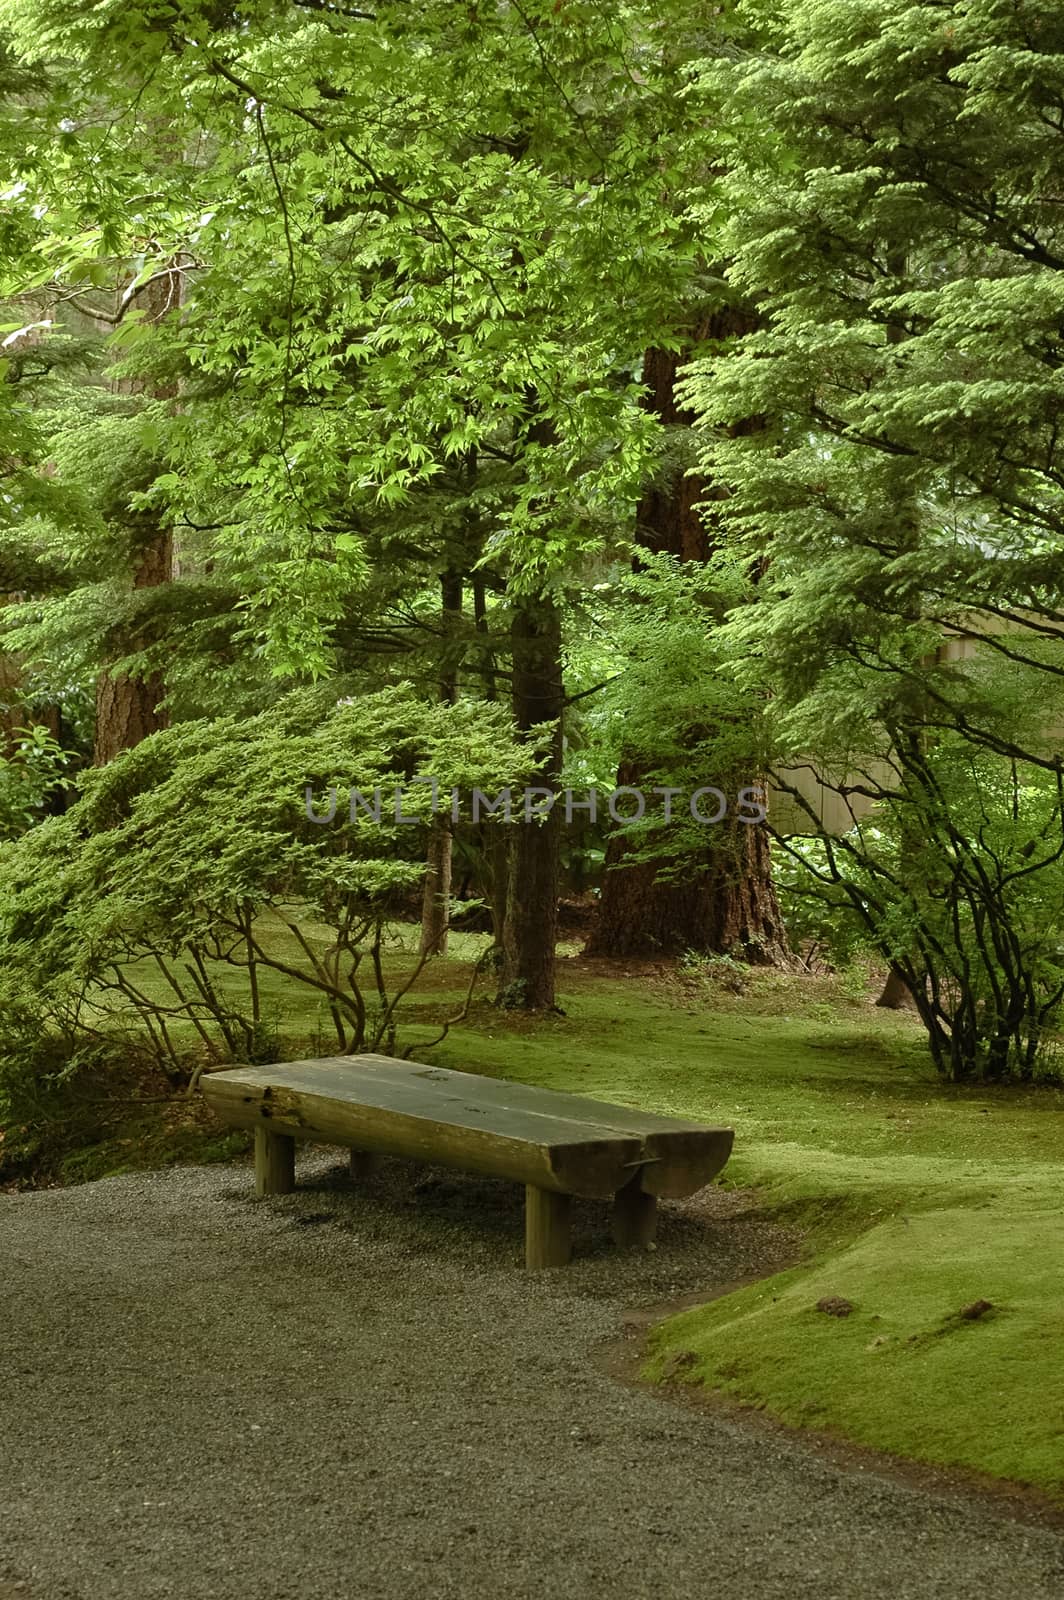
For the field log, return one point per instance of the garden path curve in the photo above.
(349, 1395)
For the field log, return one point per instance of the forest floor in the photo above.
(914, 1202)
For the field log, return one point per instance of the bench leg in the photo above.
(275, 1162)
(364, 1164)
(635, 1215)
(546, 1228)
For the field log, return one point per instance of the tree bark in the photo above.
(436, 900)
(727, 903)
(530, 918)
(895, 995)
(12, 713)
(127, 708)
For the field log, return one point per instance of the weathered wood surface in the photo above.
(364, 1165)
(547, 1239)
(569, 1144)
(275, 1162)
(635, 1216)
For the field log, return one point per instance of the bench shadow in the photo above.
(439, 1214)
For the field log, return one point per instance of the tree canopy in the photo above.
(676, 390)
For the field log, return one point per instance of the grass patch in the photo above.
(906, 1370)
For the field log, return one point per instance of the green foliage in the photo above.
(94, 1109)
(820, 918)
(673, 702)
(379, 284)
(955, 877)
(386, 274)
(896, 216)
(31, 774)
(189, 875)
(702, 975)
(890, 198)
(78, 608)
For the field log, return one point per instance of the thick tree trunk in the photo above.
(896, 995)
(436, 899)
(497, 858)
(530, 919)
(12, 713)
(127, 709)
(725, 905)
(728, 902)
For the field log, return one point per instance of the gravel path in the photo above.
(361, 1396)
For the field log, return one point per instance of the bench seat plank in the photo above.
(492, 1091)
(680, 1156)
(396, 1119)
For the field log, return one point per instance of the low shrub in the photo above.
(189, 878)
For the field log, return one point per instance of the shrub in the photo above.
(957, 880)
(189, 871)
(31, 774)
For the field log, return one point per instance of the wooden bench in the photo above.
(557, 1145)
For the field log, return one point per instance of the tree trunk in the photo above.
(727, 903)
(436, 900)
(530, 920)
(12, 713)
(127, 709)
(895, 996)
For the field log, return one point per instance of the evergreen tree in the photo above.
(892, 195)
